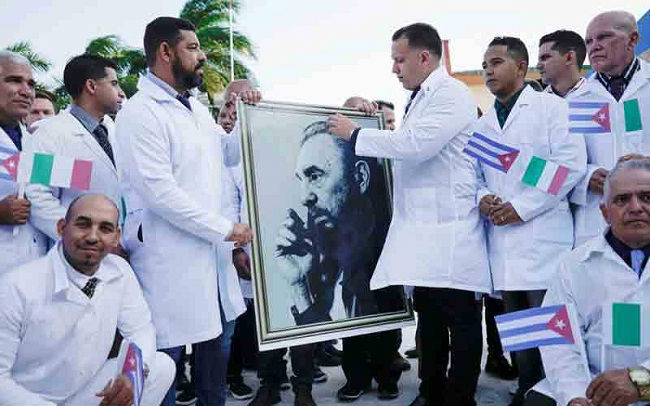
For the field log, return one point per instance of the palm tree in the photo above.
(38, 62)
(130, 62)
(211, 20)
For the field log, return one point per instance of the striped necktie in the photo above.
(636, 259)
(89, 289)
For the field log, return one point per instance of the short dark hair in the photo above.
(514, 46)
(83, 67)
(163, 29)
(382, 104)
(41, 94)
(565, 41)
(421, 35)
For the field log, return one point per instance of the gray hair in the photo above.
(635, 162)
(13, 58)
(621, 20)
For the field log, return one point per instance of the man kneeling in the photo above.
(58, 316)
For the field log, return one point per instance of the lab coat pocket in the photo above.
(420, 204)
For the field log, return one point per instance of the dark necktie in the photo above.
(185, 100)
(408, 106)
(617, 87)
(89, 289)
(102, 138)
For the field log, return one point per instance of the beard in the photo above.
(187, 79)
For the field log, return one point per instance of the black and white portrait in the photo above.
(320, 215)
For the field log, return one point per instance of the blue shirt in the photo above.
(85, 118)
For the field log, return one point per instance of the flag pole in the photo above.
(232, 58)
(21, 195)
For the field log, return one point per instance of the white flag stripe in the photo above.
(547, 175)
(61, 171)
(528, 321)
(537, 335)
(25, 167)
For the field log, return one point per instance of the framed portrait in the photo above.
(319, 215)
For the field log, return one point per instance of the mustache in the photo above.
(199, 65)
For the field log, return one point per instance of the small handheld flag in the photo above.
(49, 170)
(625, 324)
(132, 367)
(489, 152)
(6, 153)
(545, 175)
(589, 117)
(536, 327)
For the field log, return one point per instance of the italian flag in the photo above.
(625, 324)
(545, 175)
(49, 170)
(632, 115)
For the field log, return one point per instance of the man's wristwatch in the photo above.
(640, 377)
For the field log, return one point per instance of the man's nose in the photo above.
(635, 204)
(308, 198)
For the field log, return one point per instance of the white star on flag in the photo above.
(560, 324)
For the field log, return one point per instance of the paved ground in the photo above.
(491, 391)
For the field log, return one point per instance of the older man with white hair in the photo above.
(611, 111)
(610, 268)
(16, 97)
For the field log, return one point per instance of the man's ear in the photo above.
(60, 226)
(362, 175)
(90, 86)
(633, 39)
(605, 212)
(165, 51)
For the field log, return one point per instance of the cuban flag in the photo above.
(491, 153)
(536, 327)
(589, 117)
(133, 368)
(5, 155)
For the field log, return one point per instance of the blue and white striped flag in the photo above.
(589, 117)
(4, 154)
(536, 327)
(491, 153)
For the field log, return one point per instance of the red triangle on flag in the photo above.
(602, 117)
(11, 164)
(508, 159)
(560, 324)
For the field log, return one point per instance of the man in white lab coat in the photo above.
(174, 152)
(609, 268)
(560, 58)
(611, 111)
(436, 239)
(529, 224)
(59, 314)
(16, 96)
(82, 132)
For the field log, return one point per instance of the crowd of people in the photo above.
(543, 199)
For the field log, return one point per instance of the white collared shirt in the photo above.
(54, 339)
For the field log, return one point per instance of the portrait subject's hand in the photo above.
(14, 210)
(612, 388)
(118, 392)
(341, 126)
(369, 109)
(241, 234)
(488, 204)
(293, 249)
(251, 96)
(597, 181)
(505, 214)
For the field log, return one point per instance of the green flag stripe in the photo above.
(632, 115)
(534, 171)
(42, 169)
(626, 324)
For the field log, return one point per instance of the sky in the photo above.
(310, 51)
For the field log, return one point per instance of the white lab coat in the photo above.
(64, 135)
(590, 276)
(54, 339)
(436, 237)
(525, 256)
(29, 243)
(173, 158)
(604, 149)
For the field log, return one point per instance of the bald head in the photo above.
(90, 202)
(354, 101)
(611, 39)
(237, 86)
